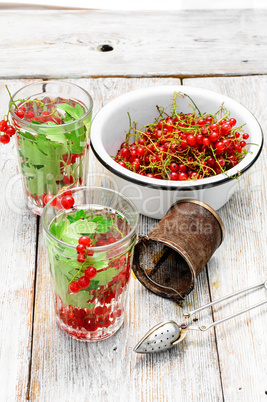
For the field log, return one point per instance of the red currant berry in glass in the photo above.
(67, 202)
(182, 176)
(174, 176)
(173, 167)
(237, 135)
(84, 282)
(243, 144)
(111, 240)
(81, 249)
(10, 131)
(245, 136)
(20, 113)
(99, 310)
(85, 241)
(101, 243)
(90, 272)
(150, 175)
(29, 115)
(4, 139)
(49, 197)
(74, 287)
(81, 258)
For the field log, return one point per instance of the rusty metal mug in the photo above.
(168, 260)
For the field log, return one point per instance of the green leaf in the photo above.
(57, 229)
(27, 135)
(79, 214)
(72, 111)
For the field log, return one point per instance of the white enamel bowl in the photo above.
(153, 197)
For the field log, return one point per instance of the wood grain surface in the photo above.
(65, 44)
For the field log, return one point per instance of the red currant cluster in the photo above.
(34, 111)
(184, 147)
(6, 131)
(80, 319)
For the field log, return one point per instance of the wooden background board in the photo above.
(184, 43)
(63, 369)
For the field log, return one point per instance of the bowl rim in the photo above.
(108, 162)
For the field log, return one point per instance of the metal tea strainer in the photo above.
(168, 334)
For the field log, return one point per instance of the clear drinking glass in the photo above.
(90, 282)
(52, 121)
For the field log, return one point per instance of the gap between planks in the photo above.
(33, 308)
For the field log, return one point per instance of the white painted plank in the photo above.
(17, 245)
(145, 43)
(67, 370)
(241, 260)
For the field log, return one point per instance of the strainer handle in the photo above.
(206, 327)
(190, 313)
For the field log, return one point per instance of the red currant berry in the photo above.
(125, 153)
(232, 122)
(90, 272)
(174, 176)
(74, 287)
(29, 115)
(191, 140)
(49, 197)
(111, 240)
(4, 139)
(67, 202)
(20, 113)
(214, 136)
(10, 131)
(206, 141)
(182, 176)
(182, 168)
(243, 144)
(3, 125)
(245, 136)
(84, 282)
(219, 146)
(85, 241)
(101, 243)
(173, 167)
(81, 249)
(81, 258)
(123, 164)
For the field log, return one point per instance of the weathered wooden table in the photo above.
(222, 50)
